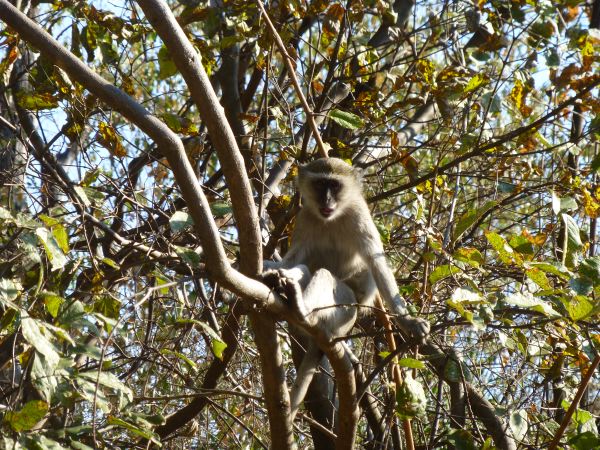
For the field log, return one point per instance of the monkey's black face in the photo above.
(326, 193)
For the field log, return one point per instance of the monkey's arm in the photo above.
(414, 327)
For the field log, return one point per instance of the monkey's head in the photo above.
(329, 186)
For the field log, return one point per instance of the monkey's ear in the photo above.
(358, 173)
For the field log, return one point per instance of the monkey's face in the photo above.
(329, 187)
(323, 195)
(327, 191)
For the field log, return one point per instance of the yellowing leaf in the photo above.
(109, 138)
(166, 64)
(425, 68)
(476, 82)
(591, 205)
(179, 124)
(587, 53)
(28, 417)
(35, 101)
(517, 96)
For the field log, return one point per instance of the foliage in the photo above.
(477, 124)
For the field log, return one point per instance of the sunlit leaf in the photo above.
(539, 277)
(52, 302)
(527, 301)
(411, 363)
(35, 101)
(505, 252)
(180, 220)
(34, 333)
(109, 138)
(55, 254)
(578, 307)
(441, 272)
(476, 82)
(346, 119)
(519, 424)
(166, 64)
(28, 416)
(411, 400)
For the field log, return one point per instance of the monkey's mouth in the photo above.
(326, 212)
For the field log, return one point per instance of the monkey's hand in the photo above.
(285, 283)
(415, 328)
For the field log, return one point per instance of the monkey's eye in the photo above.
(335, 186)
(327, 184)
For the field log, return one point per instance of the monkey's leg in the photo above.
(289, 284)
(304, 376)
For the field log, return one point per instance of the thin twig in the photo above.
(582, 387)
(287, 59)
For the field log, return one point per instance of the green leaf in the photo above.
(590, 268)
(34, 333)
(579, 308)
(52, 302)
(441, 272)
(188, 255)
(108, 306)
(220, 209)
(180, 221)
(462, 440)
(469, 218)
(518, 424)
(411, 363)
(539, 277)
(521, 245)
(574, 238)
(112, 420)
(553, 269)
(166, 64)
(505, 252)
(217, 344)
(36, 101)
(53, 251)
(346, 119)
(27, 417)
(527, 301)
(574, 243)
(218, 347)
(181, 356)
(585, 441)
(411, 401)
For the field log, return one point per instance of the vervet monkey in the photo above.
(336, 261)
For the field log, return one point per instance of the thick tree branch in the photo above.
(168, 142)
(189, 63)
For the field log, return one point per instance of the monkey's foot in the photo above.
(288, 288)
(415, 328)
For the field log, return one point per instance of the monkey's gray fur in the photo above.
(335, 262)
